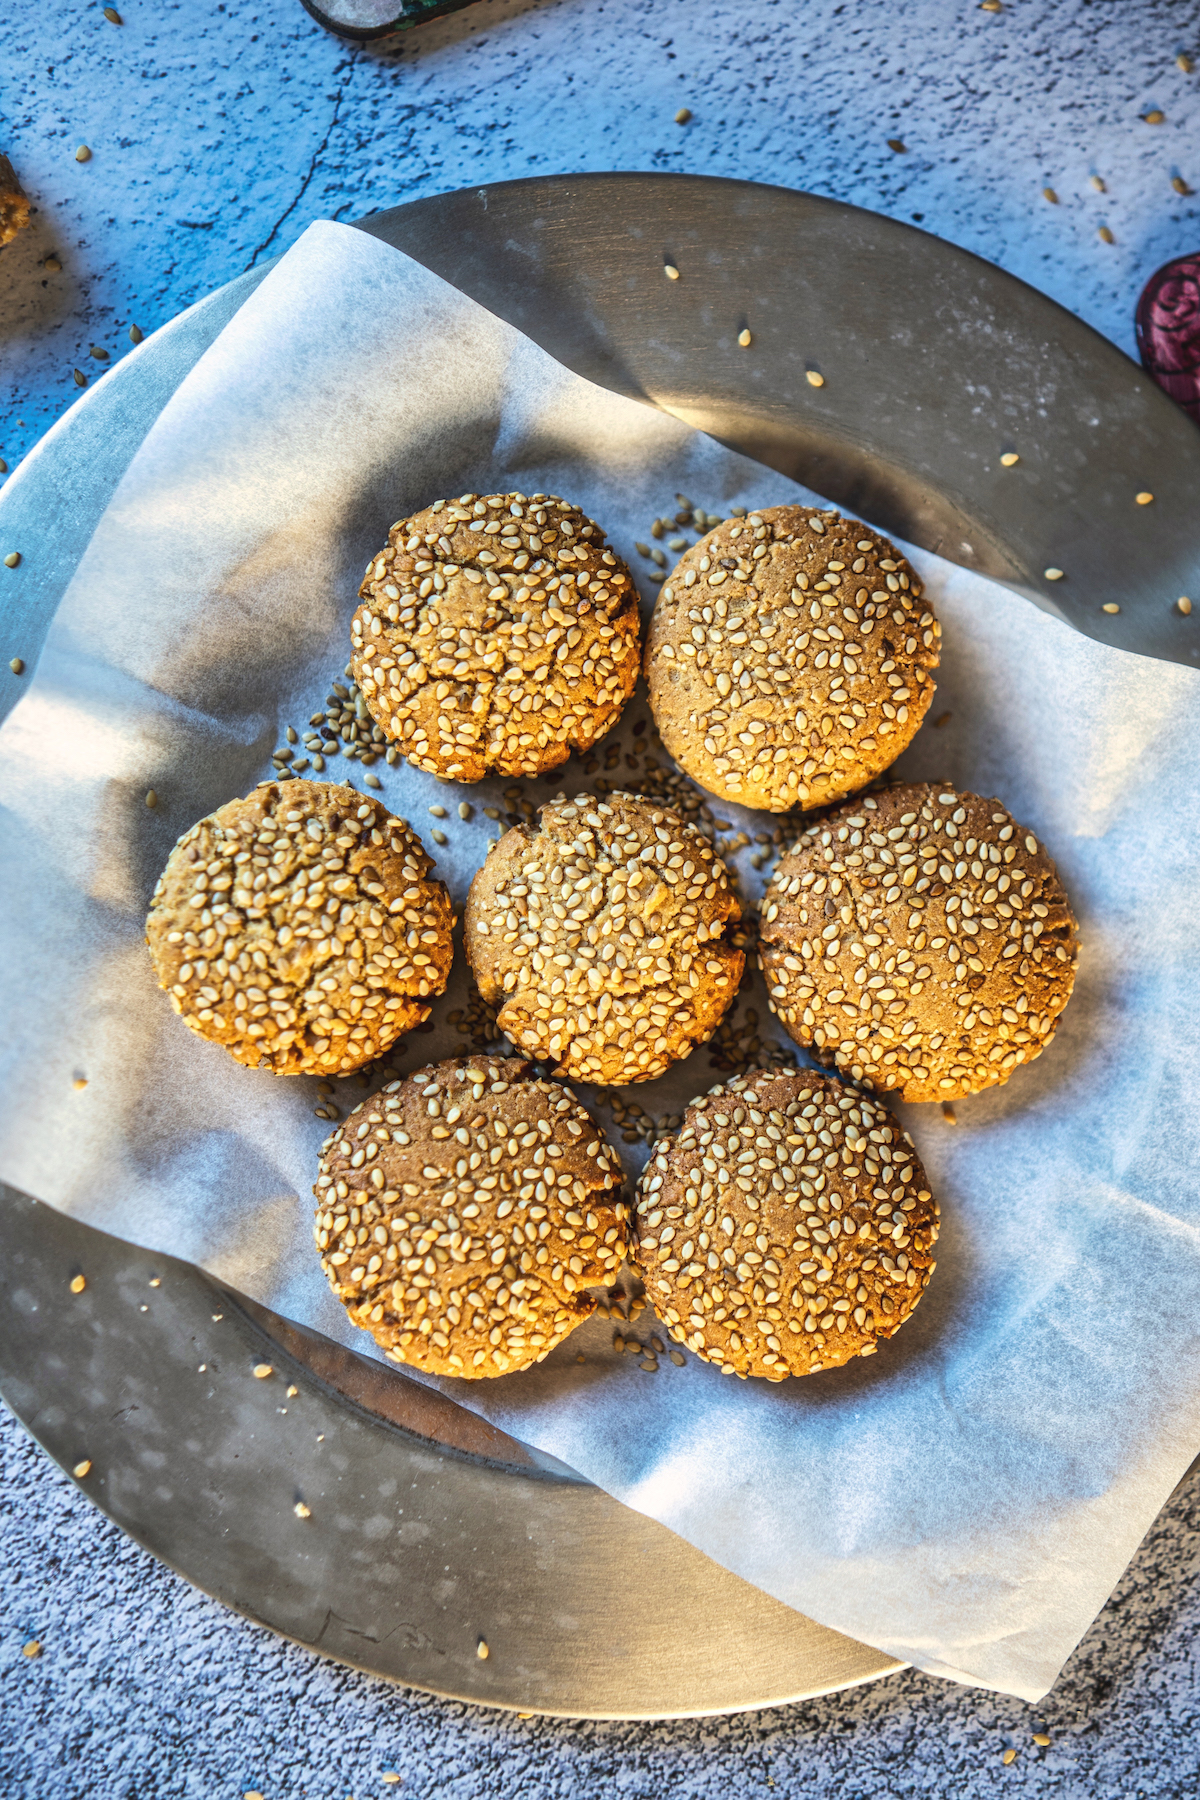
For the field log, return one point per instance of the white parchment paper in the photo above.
(967, 1499)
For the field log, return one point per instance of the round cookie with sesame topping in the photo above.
(600, 937)
(787, 1227)
(463, 1214)
(789, 658)
(496, 635)
(300, 929)
(921, 940)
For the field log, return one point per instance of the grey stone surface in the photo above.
(218, 133)
(148, 1690)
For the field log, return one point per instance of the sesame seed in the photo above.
(1042, 1738)
(1009, 460)
(1145, 499)
(262, 1370)
(113, 16)
(78, 1284)
(814, 378)
(31, 1649)
(1110, 606)
(745, 339)
(1053, 574)
(482, 1651)
(897, 144)
(671, 272)
(1105, 235)
(683, 116)
(1183, 605)
(83, 154)
(82, 1468)
(301, 1511)
(12, 559)
(135, 334)
(292, 1392)
(1007, 1757)
(1180, 185)
(948, 1112)
(17, 666)
(151, 799)
(1097, 182)
(373, 781)
(79, 1083)
(1155, 116)
(391, 1778)
(1049, 194)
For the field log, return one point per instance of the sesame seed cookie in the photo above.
(600, 937)
(298, 928)
(496, 635)
(919, 939)
(463, 1213)
(788, 658)
(787, 1227)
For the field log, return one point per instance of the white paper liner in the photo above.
(966, 1499)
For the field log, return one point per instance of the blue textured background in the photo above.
(218, 133)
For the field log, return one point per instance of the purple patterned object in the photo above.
(1168, 331)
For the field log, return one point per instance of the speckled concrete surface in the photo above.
(217, 133)
(147, 1690)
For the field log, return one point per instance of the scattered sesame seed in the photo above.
(678, 1358)
(1180, 185)
(464, 809)
(991, 6)
(78, 1284)
(217, 1317)
(156, 1281)
(373, 781)
(438, 812)
(31, 1649)
(683, 115)
(1098, 184)
(482, 1651)
(671, 272)
(1049, 194)
(815, 378)
(1105, 235)
(1054, 574)
(1008, 1757)
(100, 354)
(391, 1777)
(1145, 499)
(135, 335)
(745, 339)
(948, 1112)
(1110, 606)
(82, 1468)
(79, 1083)
(113, 16)
(1156, 116)
(80, 378)
(301, 1511)
(897, 144)
(151, 799)
(1184, 605)
(83, 154)
(12, 559)
(1183, 61)
(439, 837)
(17, 666)
(262, 1370)
(143, 1309)
(1009, 460)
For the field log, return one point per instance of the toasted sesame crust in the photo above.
(919, 939)
(496, 635)
(299, 929)
(786, 1228)
(463, 1212)
(14, 203)
(599, 936)
(788, 658)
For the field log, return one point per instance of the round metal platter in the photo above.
(430, 1531)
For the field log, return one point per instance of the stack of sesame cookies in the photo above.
(463, 1214)
(789, 658)
(496, 635)
(787, 1227)
(601, 937)
(921, 940)
(299, 928)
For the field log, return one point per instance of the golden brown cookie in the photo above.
(788, 1226)
(920, 939)
(496, 635)
(463, 1213)
(788, 658)
(14, 203)
(298, 927)
(600, 937)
